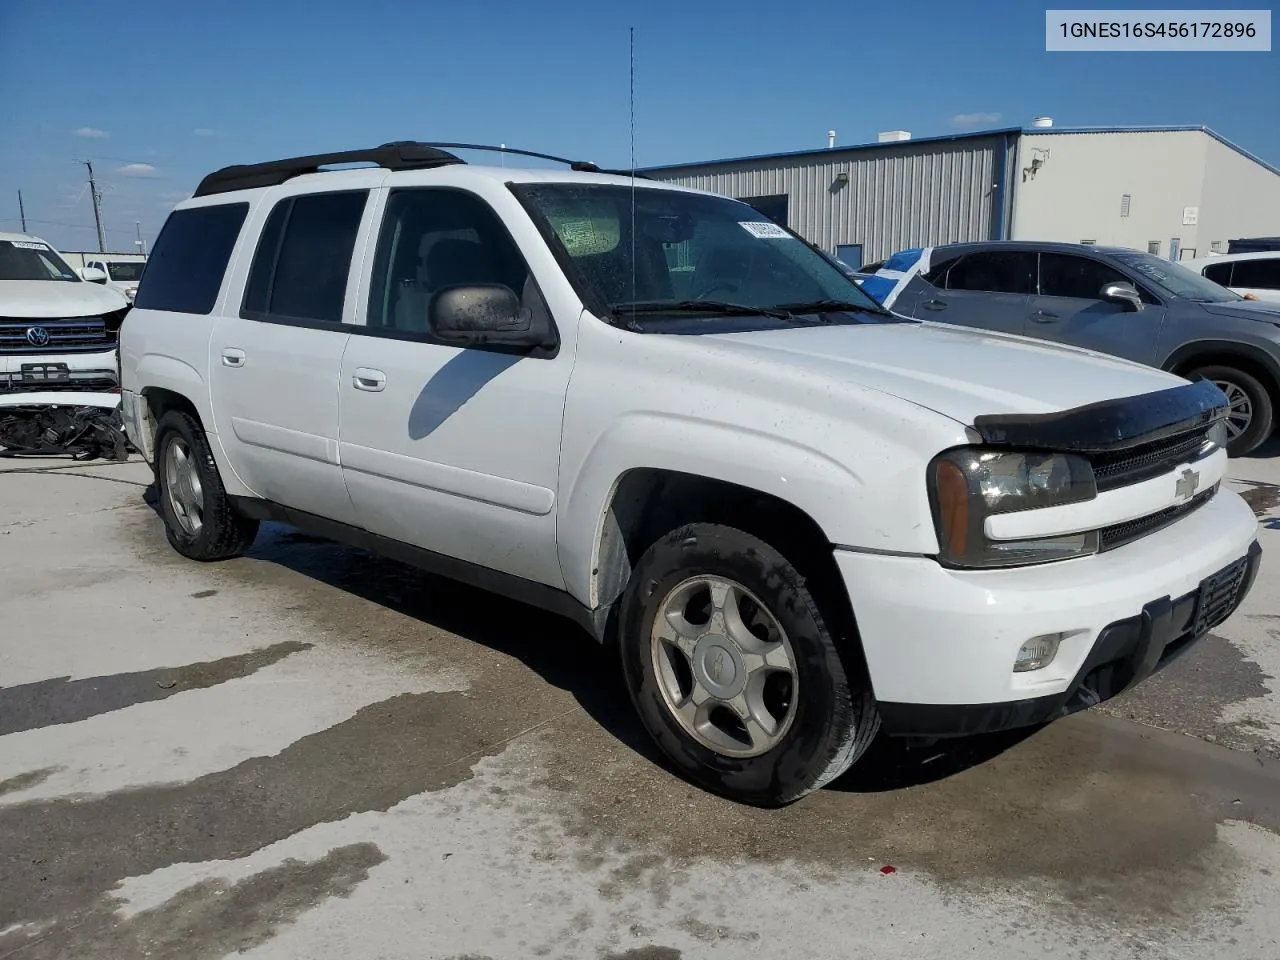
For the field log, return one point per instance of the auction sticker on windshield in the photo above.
(28, 245)
(764, 230)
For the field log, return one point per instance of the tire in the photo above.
(1252, 400)
(819, 730)
(220, 530)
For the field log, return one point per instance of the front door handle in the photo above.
(366, 378)
(934, 305)
(232, 357)
(1041, 316)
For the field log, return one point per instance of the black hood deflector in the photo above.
(1109, 424)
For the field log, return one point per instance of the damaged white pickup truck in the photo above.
(801, 519)
(59, 379)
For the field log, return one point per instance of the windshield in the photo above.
(125, 272)
(1175, 279)
(685, 247)
(32, 260)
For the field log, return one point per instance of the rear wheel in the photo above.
(734, 671)
(1250, 412)
(200, 520)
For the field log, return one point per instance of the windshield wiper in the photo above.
(832, 306)
(721, 307)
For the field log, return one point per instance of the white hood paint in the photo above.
(955, 371)
(54, 299)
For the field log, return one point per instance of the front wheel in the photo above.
(734, 671)
(1249, 414)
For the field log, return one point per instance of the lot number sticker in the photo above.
(28, 245)
(764, 230)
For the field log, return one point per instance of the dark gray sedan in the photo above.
(1111, 299)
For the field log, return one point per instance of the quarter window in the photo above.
(300, 269)
(1219, 273)
(189, 259)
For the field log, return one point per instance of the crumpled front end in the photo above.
(82, 425)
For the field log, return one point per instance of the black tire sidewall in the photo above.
(220, 533)
(1263, 412)
(824, 711)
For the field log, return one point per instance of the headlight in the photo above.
(1217, 434)
(969, 484)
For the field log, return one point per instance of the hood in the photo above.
(955, 371)
(53, 299)
(1265, 310)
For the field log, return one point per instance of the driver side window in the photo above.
(1080, 278)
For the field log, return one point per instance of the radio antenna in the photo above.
(633, 173)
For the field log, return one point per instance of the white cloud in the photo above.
(204, 132)
(975, 119)
(136, 170)
(90, 133)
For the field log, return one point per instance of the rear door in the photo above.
(988, 289)
(275, 355)
(1069, 310)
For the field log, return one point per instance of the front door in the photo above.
(454, 450)
(275, 360)
(1069, 310)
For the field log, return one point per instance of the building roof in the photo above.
(947, 138)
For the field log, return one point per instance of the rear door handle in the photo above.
(233, 357)
(366, 378)
(1041, 316)
(934, 305)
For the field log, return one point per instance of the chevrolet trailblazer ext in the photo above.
(800, 518)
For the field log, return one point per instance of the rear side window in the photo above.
(1219, 273)
(1062, 275)
(300, 268)
(1259, 274)
(189, 259)
(1006, 271)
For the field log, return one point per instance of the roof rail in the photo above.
(401, 155)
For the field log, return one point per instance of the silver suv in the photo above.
(1113, 300)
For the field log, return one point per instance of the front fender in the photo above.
(825, 489)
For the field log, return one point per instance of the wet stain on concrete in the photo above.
(63, 700)
(1263, 498)
(58, 856)
(651, 952)
(1190, 695)
(208, 920)
(712, 933)
(25, 780)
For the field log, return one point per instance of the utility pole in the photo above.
(97, 214)
(139, 243)
(22, 212)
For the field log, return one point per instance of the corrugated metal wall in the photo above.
(898, 195)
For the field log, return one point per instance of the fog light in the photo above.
(1037, 653)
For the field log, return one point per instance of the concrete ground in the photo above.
(312, 753)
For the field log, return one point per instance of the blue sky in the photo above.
(158, 94)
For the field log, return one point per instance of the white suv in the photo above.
(57, 329)
(802, 519)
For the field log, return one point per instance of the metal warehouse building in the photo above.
(1179, 192)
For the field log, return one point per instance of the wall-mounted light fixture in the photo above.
(841, 179)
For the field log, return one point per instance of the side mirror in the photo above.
(93, 275)
(1122, 293)
(477, 314)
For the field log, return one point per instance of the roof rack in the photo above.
(401, 155)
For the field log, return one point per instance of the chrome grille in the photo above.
(1121, 468)
(74, 335)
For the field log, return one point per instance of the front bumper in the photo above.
(940, 644)
(1125, 653)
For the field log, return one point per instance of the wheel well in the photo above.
(159, 402)
(649, 503)
(1220, 358)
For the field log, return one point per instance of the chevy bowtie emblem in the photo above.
(1185, 488)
